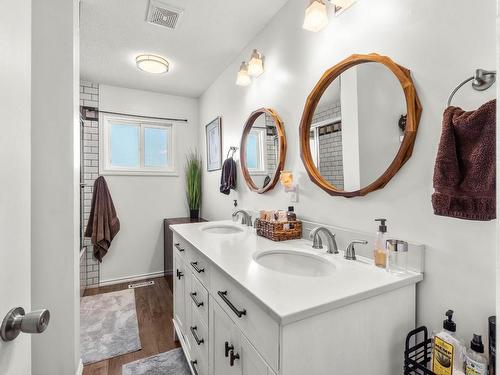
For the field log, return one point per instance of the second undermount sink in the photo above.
(296, 263)
(221, 229)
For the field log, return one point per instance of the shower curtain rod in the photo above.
(148, 117)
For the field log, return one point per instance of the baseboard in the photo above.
(126, 279)
(79, 370)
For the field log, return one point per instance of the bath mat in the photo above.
(172, 362)
(108, 326)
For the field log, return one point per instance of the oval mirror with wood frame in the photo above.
(359, 125)
(263, 150)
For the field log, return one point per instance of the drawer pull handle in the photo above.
(196, 268)
(239, 313)
(227, 348)
(195, 335)
(193, 297)
(233, 357)
(195, 362)
(179, 274)
(178, 246)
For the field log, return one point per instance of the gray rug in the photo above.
(172, 362)
(108, 326)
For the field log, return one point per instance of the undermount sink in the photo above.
(296, 263)
(221, 229)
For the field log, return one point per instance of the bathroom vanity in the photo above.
(246, 305)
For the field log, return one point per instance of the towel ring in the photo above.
(482, 80)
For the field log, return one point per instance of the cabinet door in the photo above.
(180, 293)
(250, 361)
(223, 342)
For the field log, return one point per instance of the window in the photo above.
(255, 151)
(133, 146)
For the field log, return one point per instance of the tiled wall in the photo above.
(271, 148)
(89, 97)
(330, 145)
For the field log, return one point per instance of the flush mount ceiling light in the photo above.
(256, 64)
(243, 79)
(152, 64)
(316, 16)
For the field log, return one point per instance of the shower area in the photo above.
(89, 171)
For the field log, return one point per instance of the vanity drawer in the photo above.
(197, 336)
(197, 333)
(199, 265)
(198, 362)
(255, 323)
(180, 245)
(199, 298)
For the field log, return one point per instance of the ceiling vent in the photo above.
(163, 15)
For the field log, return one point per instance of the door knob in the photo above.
(16, 321)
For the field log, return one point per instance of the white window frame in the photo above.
(261, 170)
(105, 167)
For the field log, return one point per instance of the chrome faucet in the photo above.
(246, 219)
(331, 248)
(350, 252)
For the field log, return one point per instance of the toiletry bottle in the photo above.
(447, 352)
(291, 216)
(380, 251)
(476, 362)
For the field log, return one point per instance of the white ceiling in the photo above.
(209, 36)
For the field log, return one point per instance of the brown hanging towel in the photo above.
(465, 170)
(103, 223)
(228, 176)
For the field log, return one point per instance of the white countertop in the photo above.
(287, 297)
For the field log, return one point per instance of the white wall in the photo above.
(142, 202)
(15, 200)
(54, 184)
(432, 40)
(380, 104)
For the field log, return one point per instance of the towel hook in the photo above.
(232, 149)
(482, 80)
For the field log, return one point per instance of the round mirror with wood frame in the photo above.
(263, 150)
(402, 143)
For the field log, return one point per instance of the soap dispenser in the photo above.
(476, 362)
(380, 251)
(447, 352)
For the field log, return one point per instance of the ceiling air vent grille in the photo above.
(163, 15)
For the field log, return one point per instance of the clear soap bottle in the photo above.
(380, 251)
(476, 362)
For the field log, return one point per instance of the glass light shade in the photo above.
(152, 64)
(316, 17)
(243, 79)
(286, 179)
(256, 64)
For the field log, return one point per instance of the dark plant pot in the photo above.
(194, 214)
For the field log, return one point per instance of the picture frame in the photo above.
(213, 138)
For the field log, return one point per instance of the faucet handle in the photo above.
(315, 237)
(350, 252)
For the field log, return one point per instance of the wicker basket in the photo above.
(289, 230)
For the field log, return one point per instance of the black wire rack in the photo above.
(418, 352)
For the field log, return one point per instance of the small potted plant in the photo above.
(193, 184)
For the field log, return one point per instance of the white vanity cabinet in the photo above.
(353, 323)
(212, 341)
(231, 352)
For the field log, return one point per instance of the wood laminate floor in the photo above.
(154, 306)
